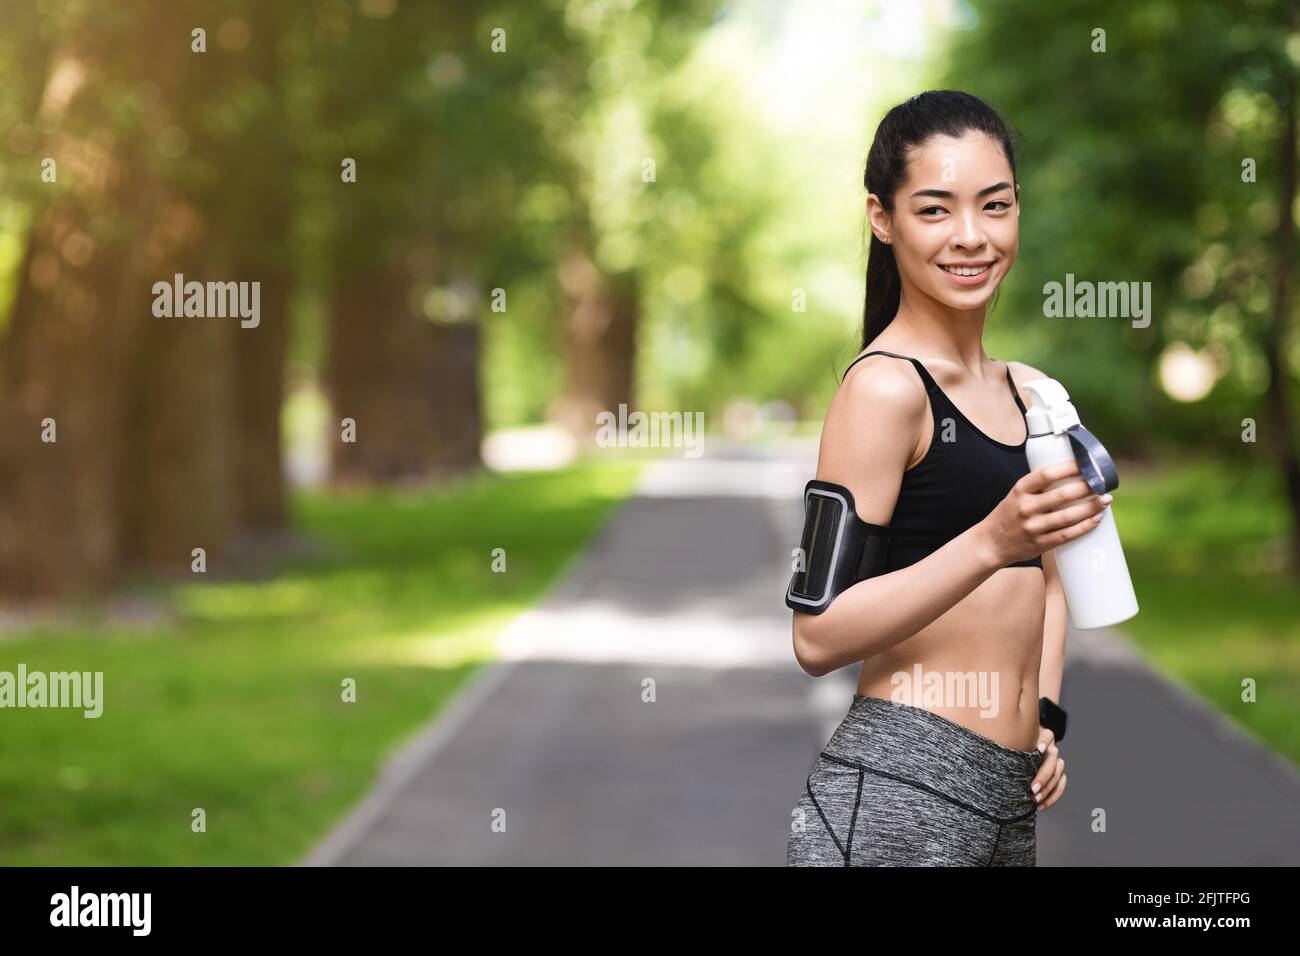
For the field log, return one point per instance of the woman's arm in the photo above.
(868, 440)
(879, 612)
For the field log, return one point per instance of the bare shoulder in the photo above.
(879, 391)
(871, 432)
(1022, 372)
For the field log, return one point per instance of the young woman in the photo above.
(961, 629)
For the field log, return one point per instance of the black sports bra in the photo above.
(956, 484)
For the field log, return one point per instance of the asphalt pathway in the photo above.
(649, 711)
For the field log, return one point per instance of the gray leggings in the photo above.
(901, 786)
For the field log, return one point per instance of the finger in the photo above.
(1047, 798)
(1064, 517)
(1056, 795)
(1054, 539)
(1063, 495)
(1045, 740)
(1044, 775)
(1040, 478)
(1058, 773)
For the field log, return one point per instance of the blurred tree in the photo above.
(179, 381)
(171, 160)
(600, 107)
(473, 118)
(1283, 52)
(82, 298)
(255, 134)
(402, 159)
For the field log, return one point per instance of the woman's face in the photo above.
(955, 229)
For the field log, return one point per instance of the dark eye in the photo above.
(928, 209)
(1000, 202)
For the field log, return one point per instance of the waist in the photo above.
(924, 749)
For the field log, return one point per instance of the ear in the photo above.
(878, 218)
(1017, 200)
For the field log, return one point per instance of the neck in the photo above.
(953, 334)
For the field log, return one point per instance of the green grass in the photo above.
(237, 708)
(1205, 544)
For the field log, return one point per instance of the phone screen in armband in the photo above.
(823, 533)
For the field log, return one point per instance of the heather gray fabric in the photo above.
(901, 786)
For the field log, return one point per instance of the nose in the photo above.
(968, 232)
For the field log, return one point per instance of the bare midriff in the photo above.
(976, 664)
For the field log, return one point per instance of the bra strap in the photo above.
(931, 385)
(1015, 392)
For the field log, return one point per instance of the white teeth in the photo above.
(965, 270)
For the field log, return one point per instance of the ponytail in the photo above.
(883, 291)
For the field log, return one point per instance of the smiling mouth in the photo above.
(966, 270)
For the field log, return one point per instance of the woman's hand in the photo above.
(1049, 783)
(1027, 521)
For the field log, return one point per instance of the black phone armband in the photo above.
(838, 549)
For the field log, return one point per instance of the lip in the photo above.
(967, 282)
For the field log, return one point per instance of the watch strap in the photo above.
(1052, 717)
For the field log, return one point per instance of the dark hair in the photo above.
(906, 126)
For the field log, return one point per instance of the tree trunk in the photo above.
(599, 346)
(66, 341)
(456, 399)
(1275, 345)
(411, 386)
(69, 340)
(181, 388)
(139, 403)
(260, 223)
(180, 439)
(379, 376)
(259, 356)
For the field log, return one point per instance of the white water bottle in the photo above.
(1094, 574)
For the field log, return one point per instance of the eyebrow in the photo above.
(944, 194)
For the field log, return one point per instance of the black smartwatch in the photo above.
(1052, 717)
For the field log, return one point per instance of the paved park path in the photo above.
(683, 588)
